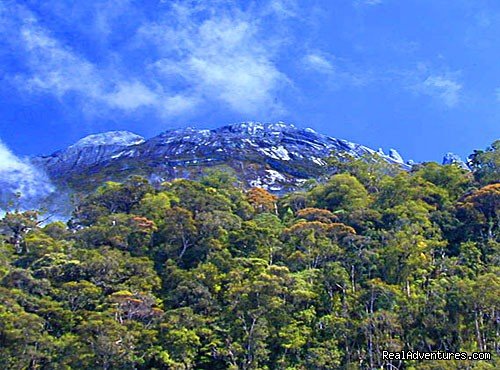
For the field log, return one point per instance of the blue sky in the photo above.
(421, 76)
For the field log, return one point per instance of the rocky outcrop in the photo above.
(451, 158)
(276, 156)
(89, 151)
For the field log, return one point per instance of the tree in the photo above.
(111, 198)
(178, 233)
(451, 178)
(155, 206)
(480, 211)
(16, 226)
(262, 201)
(369, 169)
(202, 275)
(486, 164)
(342, 193)
(316, 214)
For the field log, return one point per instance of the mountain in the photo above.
(89, 151)
(452, 158)
(275, 156)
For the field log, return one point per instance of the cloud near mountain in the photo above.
(18, 175)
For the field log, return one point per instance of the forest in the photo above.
(209, 275)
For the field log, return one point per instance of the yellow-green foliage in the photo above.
(206, 275)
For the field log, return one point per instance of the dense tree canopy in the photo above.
(207, 275)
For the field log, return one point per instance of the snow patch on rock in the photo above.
(121, 138)
(393, 153)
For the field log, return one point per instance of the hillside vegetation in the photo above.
(207, 275)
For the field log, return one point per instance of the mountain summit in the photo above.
(275, 156)
(89, 151)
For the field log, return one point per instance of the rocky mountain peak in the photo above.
(393, 153)
(452, 158)
(88, 151)
(276, 156)
(254, 128)
(119, 138)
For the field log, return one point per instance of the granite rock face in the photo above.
(393, 153)
(451, 158)
(275, 156)
(89, 151)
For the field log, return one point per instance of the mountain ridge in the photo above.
(278, 157)
(275, 156)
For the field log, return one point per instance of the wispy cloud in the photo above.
(222, 56)
(56, 69)
(284, 8)
(368, 2)
(193, 55)
(438, 82)
(319, 63)
(446, 89)
(190, 57)
(497, 93)
(19, 175)
(336, 72)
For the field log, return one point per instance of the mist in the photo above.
(20, 181)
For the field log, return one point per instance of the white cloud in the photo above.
(57, 70)
(226, 57)
(131, 95)
(284, 8)
(444, 88)
(19, 175)
(368, 2)
(497, 93)
(196, 55)
(319, 63)
(437, 82)
(336, 72)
